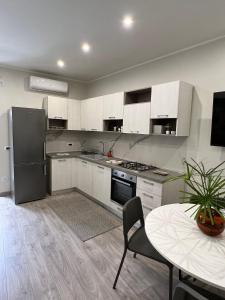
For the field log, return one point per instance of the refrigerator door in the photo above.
(29, 182)
(28, 131)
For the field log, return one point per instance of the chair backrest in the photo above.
(184, 292)
(132, 213)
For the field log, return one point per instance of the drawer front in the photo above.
(148, 186)
(149, 201)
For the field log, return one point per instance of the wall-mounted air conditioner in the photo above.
(48, 85)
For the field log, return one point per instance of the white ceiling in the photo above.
(35, 33)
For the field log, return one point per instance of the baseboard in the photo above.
(5, 194)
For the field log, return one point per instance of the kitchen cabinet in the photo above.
(101, 183)
(137, 118)
(56, 107)
(74, 172)
(85, 176)
(113, 106)
(171, 107)
(92, 114)
(154, 194)
(61, 170)
(74, 114)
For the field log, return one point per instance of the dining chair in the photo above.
(138, 242)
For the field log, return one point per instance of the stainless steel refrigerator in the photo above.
(27, 152)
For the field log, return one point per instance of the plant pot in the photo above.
(207, 227)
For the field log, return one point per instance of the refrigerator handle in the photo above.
(44, 150)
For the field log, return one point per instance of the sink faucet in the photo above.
(103, 147)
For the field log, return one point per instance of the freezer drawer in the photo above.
(29, 182)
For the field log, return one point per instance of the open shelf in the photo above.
(138, 96)
(161, 126)
(56, 124)
(109, 125)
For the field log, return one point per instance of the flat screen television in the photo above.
(218, 120)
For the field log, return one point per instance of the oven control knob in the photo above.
(131, 178)
(122, 175)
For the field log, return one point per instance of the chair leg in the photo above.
(170, 283)
(120, 267)
(135, 255)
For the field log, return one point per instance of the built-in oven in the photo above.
(123, 187)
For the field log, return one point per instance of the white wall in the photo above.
(14, 93)
(204, 67)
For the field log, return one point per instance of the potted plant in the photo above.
(205, 190)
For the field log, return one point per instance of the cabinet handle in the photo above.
(149, 196)
(147, 182)
(101, 167)
(94, 129)
(148, 208)
(44, 150)
(56, 117)
(162, 116)
(112, 117)
(84, 162)
(61, 159)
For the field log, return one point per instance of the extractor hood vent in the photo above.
(48, 85)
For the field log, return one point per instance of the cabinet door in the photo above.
(61, 171)
(95, 114)
(113, 106)
(57, 108)
(85, 177)
(101, 183)
(75, 171)
(149, 201)
(74, 114)
(164, 100)
(137, 118)
(128, 116)
(85, 114)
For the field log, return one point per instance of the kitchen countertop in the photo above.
(144, 174)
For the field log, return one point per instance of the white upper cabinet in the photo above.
(74, 114)
(85, 112)
(56, 107)
(164, 100)
(92, 114)
(137, 118)
(167, 99)
(113, 106)
(171, 107)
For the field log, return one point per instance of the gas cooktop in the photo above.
(135, 166)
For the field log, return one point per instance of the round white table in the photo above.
(177, 237)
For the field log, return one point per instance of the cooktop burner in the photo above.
(136, 166)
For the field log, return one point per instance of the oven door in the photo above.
(122, 191)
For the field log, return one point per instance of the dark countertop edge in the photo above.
(149, 175)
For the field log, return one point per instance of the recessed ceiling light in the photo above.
(86, 47)
(60, 63)
(128, 21)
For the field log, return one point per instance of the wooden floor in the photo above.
(41, 258)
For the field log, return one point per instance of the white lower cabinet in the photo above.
(101, 183)
(61, 170)
(85, 176)
(74, 172)
(150, 193)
